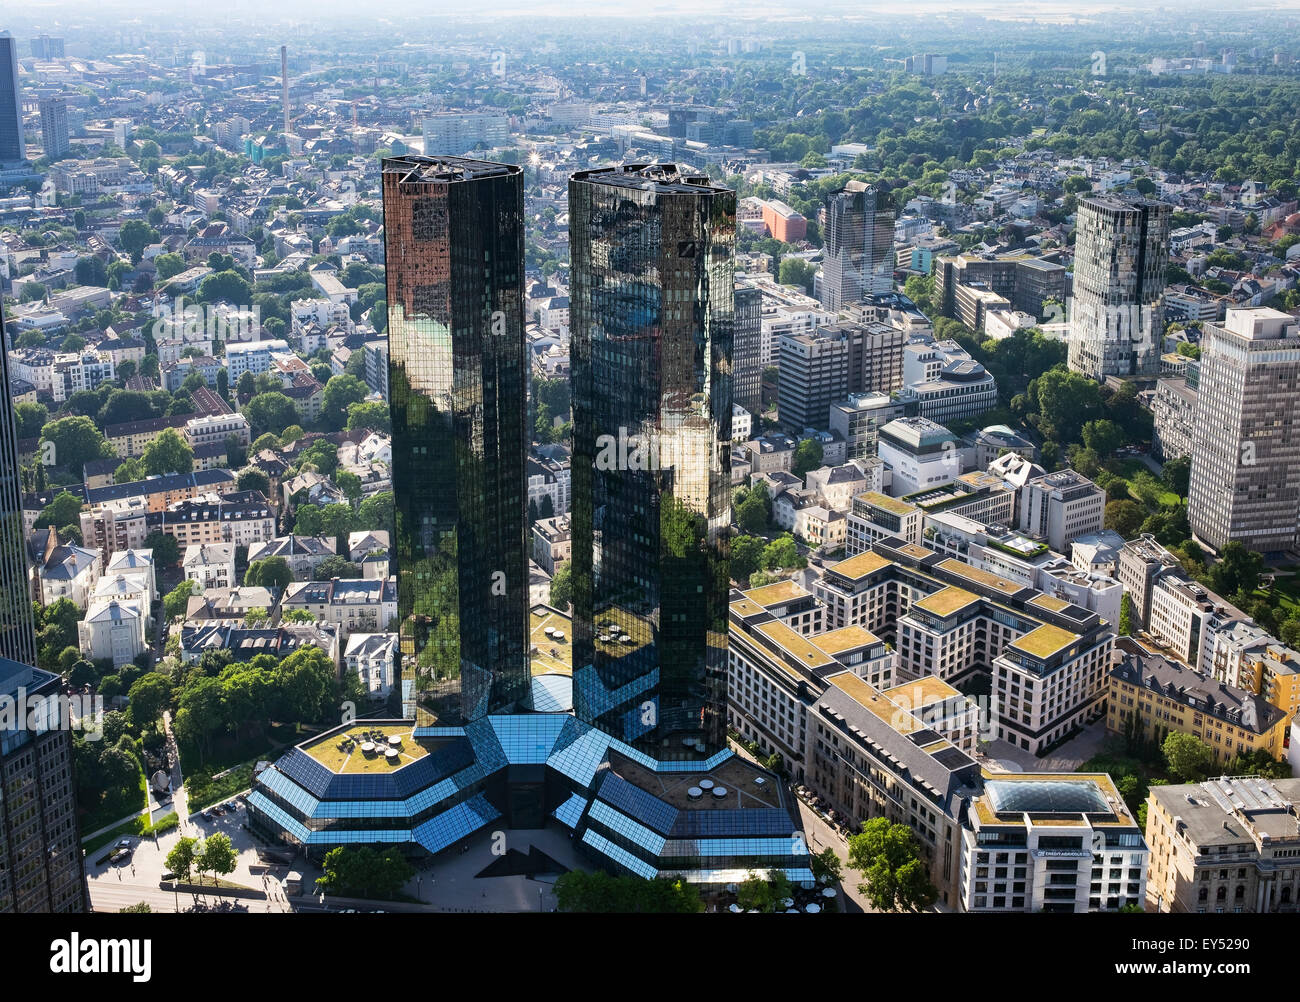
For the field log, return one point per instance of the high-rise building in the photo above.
(41, 866)
(13, 147)
(17, 630)
(1245, 480)
(859, 254)
(54, 126)
(457, 133)
(458, 370)
(1116, 316)
(651, 311)
(747, 351)
(47, 47)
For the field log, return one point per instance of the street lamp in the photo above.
(176, 898)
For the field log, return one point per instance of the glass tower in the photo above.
(859, 258)
(17, 629)
(651, 315)
(458, 372)
(13, 147)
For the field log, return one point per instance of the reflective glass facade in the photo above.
(13, 148)
(458, 372)
(651, 316)
(17, 629)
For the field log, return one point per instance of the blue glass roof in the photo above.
(636, 803)
(528, 738)
(619, 822)
(552, 693)
(619, 855)
(719, 823)
(439, 832)
(1047, 796)
(569, 813)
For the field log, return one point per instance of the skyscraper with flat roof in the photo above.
(1116, 315)
(13, 148)
(859, 258)
(458, 388)
(651, 313)
(54, 126)
(1245, 479)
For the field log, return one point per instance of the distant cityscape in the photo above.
(682, 465)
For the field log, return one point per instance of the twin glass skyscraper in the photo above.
(458, 384)
(652, 313)
(651, 308)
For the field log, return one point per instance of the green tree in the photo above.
(341, 392)
(168, 266)
(1187, 755)
(796, 271)
(826, 865)
(253, 479)
(65, 509)
(1177, 475)
(888, 856)
(168, 453)
(76, 441)
(1103, 437)
(148, 697)
(562, 587)
(755, 894)
(269, 412)
(365, 872)
(746, 556)
(370, 415)
(807, 456)
(1126, 615)
(134, 236)
(782, 553)
(217, 855)
(1125, 517)
(225, 286)
(752, 513)
(272, 572)
(182, 857)
(177, 599)
(31, 418)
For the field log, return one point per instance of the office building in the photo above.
(859, 255)
(1044, 658)
(1051, 842)
(1060, 507)
(54, 127)
(814, 372)
(943, 383)
(13, 146)
(652, 300)
(747, 349)
(1150, 696)
(40, 849)
(921, 454)
(965, 284)
(458, 371)
(17, 629)
(1245, 482)
(456, 133)
(1226, 845)
(1116, 315)
(46, 47)
(858, 419)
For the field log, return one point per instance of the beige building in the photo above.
(1245, 482)
(1227, 845)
